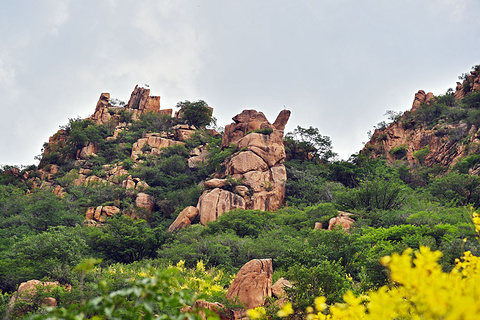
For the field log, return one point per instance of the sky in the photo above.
(338, 65)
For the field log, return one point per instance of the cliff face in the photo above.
(439, 130)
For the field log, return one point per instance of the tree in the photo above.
(393, 115)
(196, 114)
(308, 144)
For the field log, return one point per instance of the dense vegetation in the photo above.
(395, 208)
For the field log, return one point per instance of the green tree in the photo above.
(308, 144)
(196, 114)
(124, 239)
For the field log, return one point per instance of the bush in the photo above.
(326, 279)
(399, 152)
(422, 154)
(457, 189)
(376, 194)
(124, 239)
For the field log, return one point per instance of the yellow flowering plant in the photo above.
(419, 290)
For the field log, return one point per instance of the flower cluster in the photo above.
(419, 290)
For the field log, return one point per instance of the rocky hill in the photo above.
(437, 130)
(119, 144)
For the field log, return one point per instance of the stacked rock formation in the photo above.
(140, 102)
(257, 170)
(343, 220)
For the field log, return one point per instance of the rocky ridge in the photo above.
(254, 176)
(444, 143)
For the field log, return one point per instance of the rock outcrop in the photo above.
(402, 138)
(343, 220)
(151, 143)
(25, 294)
(100, 213)
(257, 168)
(252, 284)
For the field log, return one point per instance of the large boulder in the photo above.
(252, 284)
(269, 147)
(22, 300)
(244, 162)
(343, 220)
(144, 201)
(154, 142)
(214, 202)
(184, 219)
(89, 150)
(278, 290)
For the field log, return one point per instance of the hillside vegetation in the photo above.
(94, 215)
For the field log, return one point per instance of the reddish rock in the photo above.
(184, 219)
(244, 162)
(89, 215)
(80, 180)
(101, 114)
(154, 141)
(343, 219)
(268, 147)
(198, 155)
(59, 191)
(49, 302)
(138, 100)
(166, 112)
(246, 121)
(282, 120)
(252, 284)
(144, 201)
(213, 203)
(98, 213)
(110, 210)
(278, 290)
(318, 226)
(215, 183)
(128, 184)
(89, 150)
(25, 294)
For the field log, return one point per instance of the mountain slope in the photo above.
(437, 130)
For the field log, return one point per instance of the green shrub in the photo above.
(265, 131)
(124, 239)
(469, 162)
(422, 154)
(326, 279)
(399, 152)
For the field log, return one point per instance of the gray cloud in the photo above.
(338, 65)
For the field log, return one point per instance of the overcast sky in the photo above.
(337, 65)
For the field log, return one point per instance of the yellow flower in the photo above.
(200, 266)
(286, 310)
(320, 303)
(257, 313)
